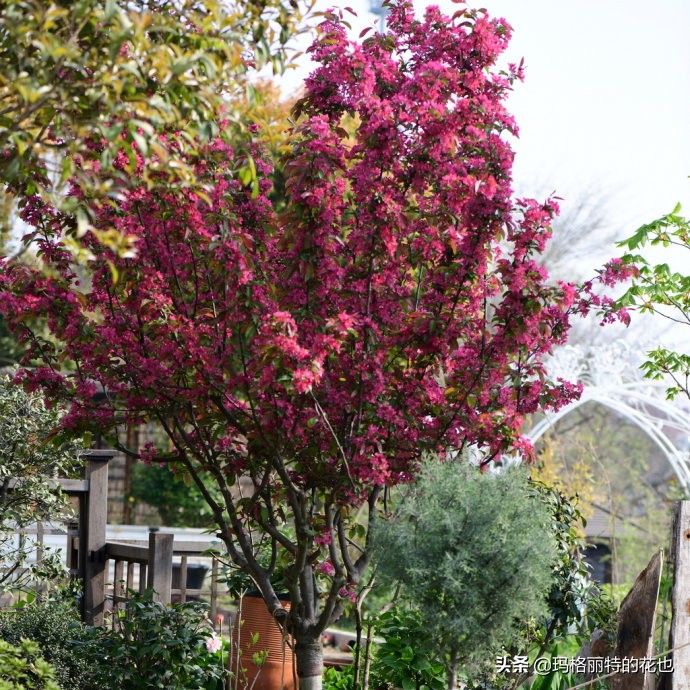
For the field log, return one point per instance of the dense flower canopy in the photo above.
(396, 305)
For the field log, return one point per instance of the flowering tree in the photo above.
(394, 306)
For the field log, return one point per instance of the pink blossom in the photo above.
(348, 593)
(327, 568)
(214, 643)
(615, 271)
(303, 380)
(395, 303)
(323, 539)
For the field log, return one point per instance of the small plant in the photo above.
(159, 646)
(406, 659)
(22, 668)
(244, 645)
(338, 678)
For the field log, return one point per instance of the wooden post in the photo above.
(636, 625)
(73, 549)
(92, 528)
(680, 627)
(214, 589)
(81, 556)
(160, 565)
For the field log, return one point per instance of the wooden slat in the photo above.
(636, 626)
(214, 590)
(73, 548)
(127, 552)
(192, 548)
(40, 531)
(160, 565)
(40, 528)
(73, 486)
(118, 586)
(183, 578)
(69, 486)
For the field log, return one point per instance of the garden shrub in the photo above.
(29, 449)
(22, 668)
(161, 646)
(479, 557)
(56, 630)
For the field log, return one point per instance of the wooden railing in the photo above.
(25, 551)
(86, 534)
(137, 566)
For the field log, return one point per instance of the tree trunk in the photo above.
(452, 678)
(309, 656)
(452, 670)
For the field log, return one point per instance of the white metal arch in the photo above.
(611, 377)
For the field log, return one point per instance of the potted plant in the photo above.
(261, 653)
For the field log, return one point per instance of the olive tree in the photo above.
(479, 552)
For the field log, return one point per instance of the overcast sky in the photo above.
(605, 105)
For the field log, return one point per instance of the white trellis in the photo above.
(611, 376)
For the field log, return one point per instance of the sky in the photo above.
(604, 111)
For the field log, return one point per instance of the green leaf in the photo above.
(182, 65)
(408, 684)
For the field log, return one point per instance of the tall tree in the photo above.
(121, 73)
(395, 304)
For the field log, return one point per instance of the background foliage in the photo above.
(27, 452)
(179, 503)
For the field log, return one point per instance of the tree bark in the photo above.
(452, 670)
(309, 656)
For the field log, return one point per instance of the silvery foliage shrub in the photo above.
(28, 451)
(474, 553)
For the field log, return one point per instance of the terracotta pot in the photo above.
(277, 671)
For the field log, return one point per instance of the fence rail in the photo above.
(163, 566)
(91, 495)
